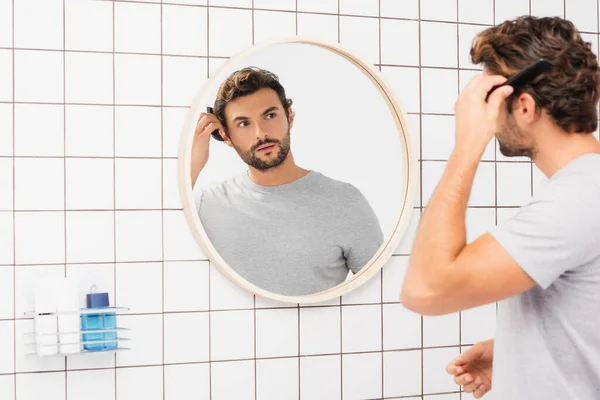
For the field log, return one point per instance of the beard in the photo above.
(251, 158)
(513, 142)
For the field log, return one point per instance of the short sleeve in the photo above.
(556, 232)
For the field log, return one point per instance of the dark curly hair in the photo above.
(245, 82)
(569, 92)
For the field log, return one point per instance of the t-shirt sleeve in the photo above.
(556, 232)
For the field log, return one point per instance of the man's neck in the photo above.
(285, 172)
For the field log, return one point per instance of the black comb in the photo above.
(215, 134)
(525, 75)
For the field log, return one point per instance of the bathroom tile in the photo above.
(438, 10)
(479, 221)
(439, 90)
(6, 184)
(39, 130)
(550, 8)
(320, 6)
(90, 184)
(391, 30)
(7, 387)
(438, 136)
(441, 330)
(42, 231)
(146, 18)
(179, 243)
(453, 396)
(137, 79)
(320, 377)
(361, 37)
(7, 345)
(232, 3)
(465, 77)
(360, 7)
(183, 77)
(146, 344)
(408, 237)
(368, 293)
(6, 75)
(186, 337)
(6, 123)
(361, 328)
(88, 275)
(24, 360)
(139, 287)
(34, 176)
(263, 302)
(49, 386)
(186, 286)
(583, 13)
(400, 9)
(78, 385)
(438, 44)
(483, 190)
(510, 9)
(539, 179)
(34, 84)
(99, 361)
(89, 78)
(270, 25)
(137, 132)
(88, 25)
(232, 335)
(89, 140)
(90, 236)
(138, 184)
(478, 324)
(277, 333)
(171, 198)
(319, 330)
(139, 235)
(7, 238)
(466, 34)
(38, 24)
(233, 380)
(173, 122)
(405, 364)
(140, 383)
(6, 26)
(324, 27)
(361, 376)
(405, 83)
(435, 377)
(226, 295)
(289, 5)
(184, 30)
(230, 31)
(7, 291)
(277, 379)
(189, 2)
(393, 277)
(476, 11)
(514, 183)
(182, 380)
(401, 328)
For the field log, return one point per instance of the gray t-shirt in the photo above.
(548, 339)
(294, 239)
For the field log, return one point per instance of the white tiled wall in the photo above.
(93, 95)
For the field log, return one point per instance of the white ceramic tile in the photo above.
(361, 37)
(230, 31)
(479, 221)
(393, 52)
(438, 10)
(226, 295)
(99, 361)
(139, 287)
(186, 337)
(179, 243)
(269, 25)
(39, 130)
(439, 90)
(189, 2)
(38, 24)
(138, 183)
(89, 78)
(438, 44)
(405, 84)
(6, 238)
(453, 396)
(135, 383)
(233, 380)
(186, 286)
(321, 6)
(35, 84)
(6, 75)
(173, 121)
(137, 132)
(514, 183)
(393, 277)
(368, 293)
(438, 136)
(319, 330)
(88, 25)
(360, 7)
(39, 237)
(361, 376)
(466, 34)
(7, 291)
(435, 377)
(7, 387)
(89, 140)
(39, 184)
(404, 364)
(88, 275)
(187, 379)
(324, 27)
(277, 333)
(476, 11)
(232, 335)
(361, 328)
(90, 183)
(26, 362)
(232, 3)
(146, 18)
(289, 5)
(550, 8)
(171, 197)
(139, 235)
(6, 184)
(441, 330)
(90, 236)
(510, 9)
(406, 243)
(182, 79)
(320, 377)
(277, 379)
(7, 344)
(482, 192)
(400, 8)
(6, 23)
(6, 125)
(78, 385)
(184, 30)
(50, 386)
(137, 79)
(583, 13)
(146, 344)
(478, 324)
(401, 328)
(264, 303)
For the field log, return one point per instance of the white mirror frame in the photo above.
(409, 189)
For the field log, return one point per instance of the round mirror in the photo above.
(296, 170)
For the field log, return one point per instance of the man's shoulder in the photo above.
(333, 185)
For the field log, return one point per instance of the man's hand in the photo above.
(473, 368)
(207, 123)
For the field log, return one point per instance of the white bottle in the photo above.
(46, 323)
(68, 317)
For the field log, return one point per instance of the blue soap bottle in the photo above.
(101, 320)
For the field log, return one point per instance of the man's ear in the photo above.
(225, 137)
(526, 108)
(291, 117)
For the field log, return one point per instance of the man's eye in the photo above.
(271, 115)
(243, 124)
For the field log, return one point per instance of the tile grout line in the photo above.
(162, 197)
(14, 230)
